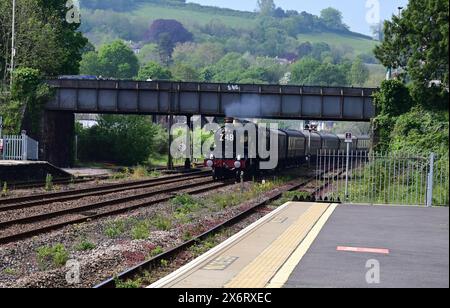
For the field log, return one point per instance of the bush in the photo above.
(127, 140)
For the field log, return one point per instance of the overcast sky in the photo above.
(354, 11)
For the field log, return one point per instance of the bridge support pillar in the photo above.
(187, 162)
(170, 159)
(57, 138)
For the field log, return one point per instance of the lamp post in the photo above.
(13, 40)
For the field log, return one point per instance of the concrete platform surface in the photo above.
(88, 172)
(253, 256)
(417, 240)
(21, 162)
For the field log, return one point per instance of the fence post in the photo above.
(346, 171)
(430, 181)
(24, 145)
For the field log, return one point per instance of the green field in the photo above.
(360, 45)
(151, 12)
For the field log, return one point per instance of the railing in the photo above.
(381, 178)
(19, 147)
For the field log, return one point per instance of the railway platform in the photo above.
(328, 245)
(23, 171)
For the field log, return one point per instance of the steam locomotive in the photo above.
(230, 155)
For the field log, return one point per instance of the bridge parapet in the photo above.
(213, 99)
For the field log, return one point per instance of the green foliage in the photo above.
(185, 204)
(417, 42)
(421, 131)
(140, 172)
(49, 182)
(129, 284)
(309, 71)
(85, 245)
(154, 71)
(332, 18)
(115, 60)
(185, 72)
(57, 255)
(140, 231)
(23, 109)
(161, 223)
(127, 140)
(266, 7)
(393, 98)
(114, 229)
(359, 73)
(156, 252)
(10, 271)
(44, 39)
(5, 190)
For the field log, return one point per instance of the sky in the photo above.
(355, 13)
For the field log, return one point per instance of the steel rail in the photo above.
(30, 233)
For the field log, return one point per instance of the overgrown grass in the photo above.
(49, 182)
(156, 252)
(141, 230)
(85, 245)
(10, 271)
(56, 255)
(5, 190)
(161, 222)
(129, 284)
(114, 229)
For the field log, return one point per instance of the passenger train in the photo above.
(294, 148)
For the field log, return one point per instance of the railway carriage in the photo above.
(234, 144)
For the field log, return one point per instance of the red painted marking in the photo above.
(364, 250)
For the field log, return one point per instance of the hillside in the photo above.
(130, 22)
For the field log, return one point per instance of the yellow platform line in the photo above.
(288, 268)
(260, 271)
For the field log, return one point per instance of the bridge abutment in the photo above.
(56, 140)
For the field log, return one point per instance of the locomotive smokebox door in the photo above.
(348, 138)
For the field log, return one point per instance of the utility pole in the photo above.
(13, 41)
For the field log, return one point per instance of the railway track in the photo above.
(65, 181)
(172, 253)
(29, 226)
(45, 198)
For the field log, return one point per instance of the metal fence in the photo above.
(19, 147)
(383, 178)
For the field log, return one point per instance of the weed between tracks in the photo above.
(56, 255)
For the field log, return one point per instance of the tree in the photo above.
(154, 71)
(417, 43)
(149, 53)
(44, 39)
(184, 72)
(301, 70)
(117, 60)
(304, 49)
(90, 65)
(177, 32)
(332, 18)
(359, 73)
(266, 7)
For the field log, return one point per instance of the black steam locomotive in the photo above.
(230, 154)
